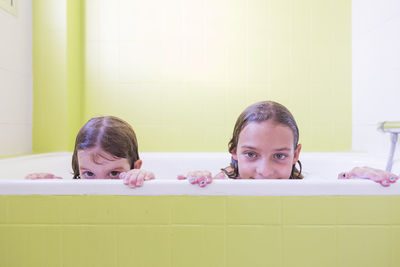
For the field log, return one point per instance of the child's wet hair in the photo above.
(110, 134)
(259, 112)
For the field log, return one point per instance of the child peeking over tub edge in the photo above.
(264, 145)
(106, 148)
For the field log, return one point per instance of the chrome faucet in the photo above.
(392, 127)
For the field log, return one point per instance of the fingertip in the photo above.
(208, 178)
(132, 182)
(385, 183)
(202, 183)
(220, 175)
(139, 182)
(181, 177)
(192, 179)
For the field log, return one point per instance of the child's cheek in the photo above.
(288, 171)
(245, 170)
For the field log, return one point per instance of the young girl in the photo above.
(106, 148)
(265, 145)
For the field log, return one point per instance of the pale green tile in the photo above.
(3, 209)
(17, 244)
(394, 210)
(342, 131)
(45, 246)
(198, 246)
(309, 246)
(148, 133)
(257, 52)
(364, 210)
(33, 209)
(142, 209)
(86, 209)
(257, 92)
(5, 245)
(115, 209)
(217, 143)
(253, 210)
(30, 246)
(214, 246)
(394, 246)
(89, 246)
(142, 113)
(366, 246)
(143, 246)
(280, 42)
(198, 210)
(254, 246)
(309, 210)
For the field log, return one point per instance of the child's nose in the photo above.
(264, 170)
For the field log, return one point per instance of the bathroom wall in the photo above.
(58, 74)
(376, 72)
(181, 71)
(16, 80)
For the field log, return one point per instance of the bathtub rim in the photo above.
(228, 187)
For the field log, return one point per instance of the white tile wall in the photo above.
(376, 71)
(16, 80)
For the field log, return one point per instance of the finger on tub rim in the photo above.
(181, 177)
(34, 176)
(343, 175)
(192, 177)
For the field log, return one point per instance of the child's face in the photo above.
(265, 151)
(94, 163)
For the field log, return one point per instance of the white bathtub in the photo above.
(320, 170)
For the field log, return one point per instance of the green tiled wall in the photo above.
(200, 231)
(174, 68)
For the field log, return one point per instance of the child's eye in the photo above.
(114, 174)
(280, 156)
(250, 155)
(88, 174)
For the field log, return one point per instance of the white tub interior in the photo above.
(320, 170)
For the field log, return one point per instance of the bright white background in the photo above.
(376, 71)
(16, 80)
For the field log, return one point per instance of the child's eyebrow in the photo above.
(117, 169)
(283, 149)
(249, 147)
(278, 149)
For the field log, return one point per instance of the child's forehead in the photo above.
(96, 155)
(263, 127)
(266, 133)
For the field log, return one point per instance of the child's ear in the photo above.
(137, 164)
(234, 154)
(296, 154)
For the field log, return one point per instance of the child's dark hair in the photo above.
(112, 135)
(259, 112)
